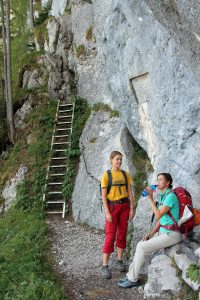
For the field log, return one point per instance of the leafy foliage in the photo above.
(81, 114)
(25, 273)
(68, 184)
(89, 33)
(43, 13)
(143, 166)
(80, 50)
(104, 107)
(193, 272)
(25, 267)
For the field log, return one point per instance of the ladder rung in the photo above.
(52, 202)
(61, 143)
(57, 174)
(67, 104)
(65, 157)
(61, 117)
(54, 193)
(61, 166)
(60, 136)
(60, 123)
(59, 150)
(54, 183)
(60, 129)
(54, 212)
(65, 110)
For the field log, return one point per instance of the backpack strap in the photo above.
(173, 219)
(173, 227)
(110, 180)
(126, 179)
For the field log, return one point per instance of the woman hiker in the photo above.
(165, 238)
(118, 202)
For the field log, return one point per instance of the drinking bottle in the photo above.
(145, 192)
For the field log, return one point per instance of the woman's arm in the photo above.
(105, 205)
(158, 213)
(132, 202)
(151, 234)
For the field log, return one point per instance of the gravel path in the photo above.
(77, 251)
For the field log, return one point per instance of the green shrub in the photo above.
(87, 1)
(105, 107)
(89, 33)
(193, 272)
(68, 184)
(187, 292)
(143, 166)
(93, 140)
(129, 238)
(81, 114)
(80, 50)
(41, 34)
(43, 13)
(25, 267)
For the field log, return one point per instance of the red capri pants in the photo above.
(118, 228)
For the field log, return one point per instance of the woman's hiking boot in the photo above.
(105, 272)
(127, 284)
(120, 266)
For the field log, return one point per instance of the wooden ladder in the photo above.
(57, 166)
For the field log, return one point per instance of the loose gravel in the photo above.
(77, 252)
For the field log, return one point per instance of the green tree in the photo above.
(6, 35)
(31, 14)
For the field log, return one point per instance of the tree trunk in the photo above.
(31, 14)
(4, 50)
(10, 116)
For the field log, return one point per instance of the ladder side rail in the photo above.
(51, 147)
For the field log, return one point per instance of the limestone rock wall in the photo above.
(142, 59)
(146, 65)
(101, 135)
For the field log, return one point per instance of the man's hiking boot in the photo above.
(105, 272)
(120, 266)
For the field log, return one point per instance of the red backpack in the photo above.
(185, 199)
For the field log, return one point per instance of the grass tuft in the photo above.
(89, 33)
(80, 51)
(106, 108)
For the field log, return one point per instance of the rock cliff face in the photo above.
(101, 135)
(147, 67)
(141, 58)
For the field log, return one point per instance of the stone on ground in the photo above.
(162, 280)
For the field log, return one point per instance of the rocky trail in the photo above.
(77, 251)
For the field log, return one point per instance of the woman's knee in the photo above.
(139, 246)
